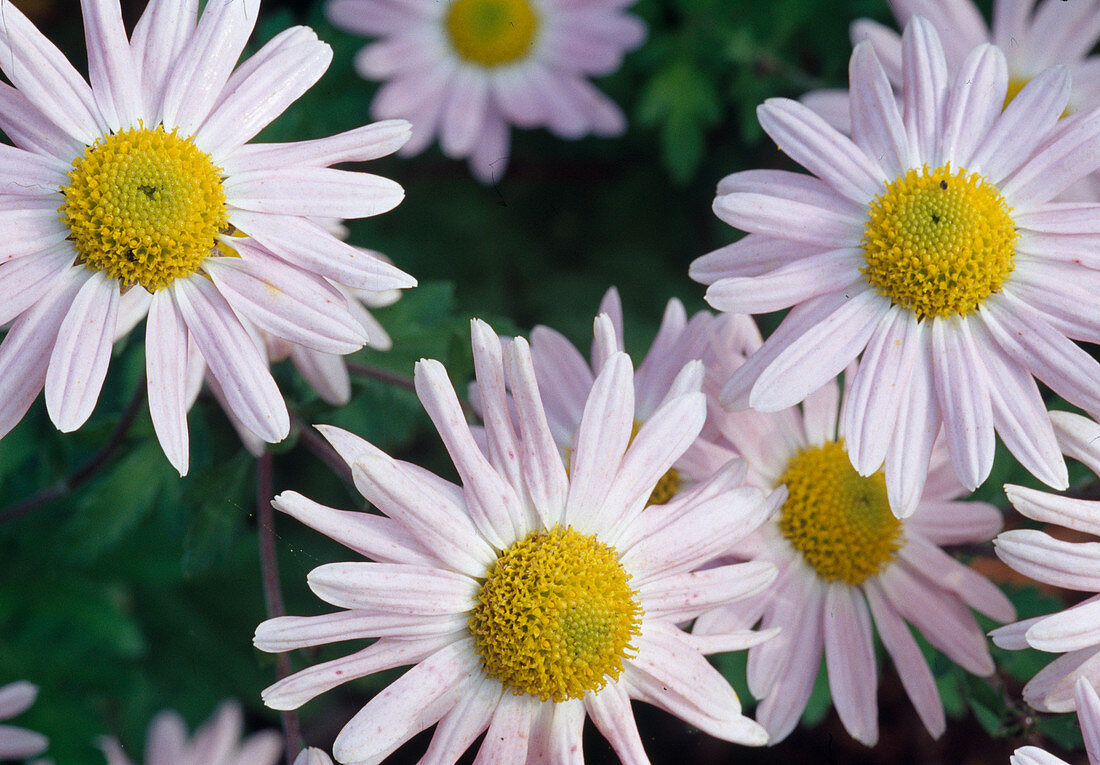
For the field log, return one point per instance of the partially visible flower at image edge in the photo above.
(462, 574)
(928, 244)
(140, 193)
(1088, 717)
(18, 743)
(1071, 565)
(312, 756)
(466, 70)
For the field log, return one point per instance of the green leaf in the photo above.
(683, 103)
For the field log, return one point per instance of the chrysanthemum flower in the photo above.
(312, 756)
(466, 70)
(465, 575)
(1072, 565)
(217, 742)
(926, 242)
(1088, 715)
(18, 743)
(846, 562)
(1033, 37)
(140, 193)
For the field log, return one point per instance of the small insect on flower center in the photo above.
(939, 243)
(144, 206)
(837, 519)
(555, 615)
(492, 32)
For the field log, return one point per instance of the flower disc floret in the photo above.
(937, 242)
(556, 615)
(838, 520)
(492, 32)
(144, 206)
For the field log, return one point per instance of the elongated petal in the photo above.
(399, 588)
(683, 596)
(962, 388)
(850, 659)
(313, 191)
(1064, 564)
(459, 727)
(610, 711)
(110, 64)
(166, 372)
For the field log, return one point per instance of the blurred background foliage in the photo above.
(133, 590)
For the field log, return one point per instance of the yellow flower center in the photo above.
(144, 206)
(837, 519)
(555, 615)
(666, 488)
(938, 243)
(492, 32)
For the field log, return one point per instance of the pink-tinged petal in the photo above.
(1088, 712)
(1061, 290)
(503, 447)
(962, 388)
(971, 587)
(286, 301)
(28, 173)
(612, 304)
(954, 523)
(510, 731)
(31, 228)
(940, 616)
(133, 306)
(372, 536)
(924, 88)
(492, 504)
(28, 128)
(1069, 155)
(18, 743)
(796, 187)
(1074, 250)
(461, 726)
(600, 443)
(1051, 690)
(1012, 637)
(564, 381)
(1033, 755)
(414, 701)
(820, 353)
(1074, 628)
(16, 698)
(1072, 565)
(912, 668)
(974, 104)
(850, 660)
(751, 255)
(610, 711)
(1020, 416)
(680, 597)
(464, 112)
(408, 50)
(885, 41)
(23, 281)
(564, 733)
(288, 633)
(205, 62)
(1027, 120)
(262, 88)
(78, 363)
(313, 191)
(774, 216)
(402, 494)
(304, 243)
(362, 144)
(293, 691)
(833, 105)
(398, 588)
(817, 146)
(793, 283)
(732, 640)
(543, 473)
(670, 674)
(373, 17)
(418, 97)
(1077, 437)
(326, 373)
(36, 67)
(114, 77)
(489, 158)
(876, 124)
(158, 39)
(166, 371)
(918, 426)
(606, 342)
(1061, 218)
(1078, 514)
(232, 357)
(879, 390)
(1050, 356)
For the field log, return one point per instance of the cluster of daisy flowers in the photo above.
(612, 526)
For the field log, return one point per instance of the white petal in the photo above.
(110, 64)
(166, 370)
(358, 145)
(850, 660)
(924, 90)
(313, 191)
(610, 711)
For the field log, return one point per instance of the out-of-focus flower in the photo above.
(466, 70)
(312, 756)
(18, 743)
(217, 742)
(140, 193)
(927, 243)
(530, 596)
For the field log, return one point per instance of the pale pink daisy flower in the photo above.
(464, 574)
(139, 193)
(1075, 631)
(18, 743)
(928, 244)
(465, 70)
(1088, 716)
(216, 742)
(847, 563)
(312, 756)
